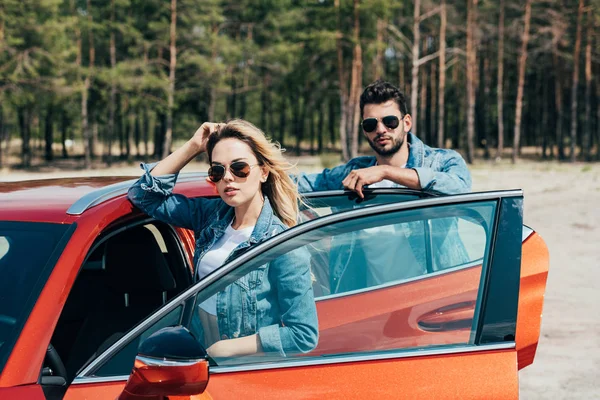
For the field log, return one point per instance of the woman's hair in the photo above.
(279, 188)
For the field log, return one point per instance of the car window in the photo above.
(130, 272)
(321, 204)
(400, 281)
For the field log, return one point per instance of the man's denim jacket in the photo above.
(440, 171)
(276, 300)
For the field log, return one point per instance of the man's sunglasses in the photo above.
(370, 124)
(240, 169)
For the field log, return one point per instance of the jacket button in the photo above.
(224, 337)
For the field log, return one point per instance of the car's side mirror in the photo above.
(170, 362)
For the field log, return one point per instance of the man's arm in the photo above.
(452, 178)
(329, 179)
(358, 178)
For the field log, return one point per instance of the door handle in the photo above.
(448, 318)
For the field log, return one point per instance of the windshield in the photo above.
(28, 252)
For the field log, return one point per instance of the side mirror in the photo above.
(170, 362)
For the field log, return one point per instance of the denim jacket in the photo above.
(276, 300)
(440, 171)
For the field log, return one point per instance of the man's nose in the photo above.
(381, 128)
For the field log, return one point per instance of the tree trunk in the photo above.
(331, 122)
(545, 111)
(598, 121)
(558, 101)
(575, 86)
(344, 101)
(64, 126)
(500, 83)
(213, 85)
(442, 84)
(586, 145)
(414, 87)
(431, 122)
(321, 111)
(313, 132)
(486, 76)
(171, 91)
(24, 123)
(355, 84)
(113, 87)
(471, 60)
(282, 120)
(423, 98)
(131, 136)
(146, 133)
(137, 131)
(377, 66)
(521, 80)
(2, 130)
(49, 134)
(87, 134)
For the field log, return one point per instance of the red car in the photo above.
(98, 298)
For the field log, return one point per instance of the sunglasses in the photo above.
(240, 169)
(370, 124)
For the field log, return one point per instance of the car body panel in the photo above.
(472, 373)
(459, 376)
(392, 317)
(534, 274)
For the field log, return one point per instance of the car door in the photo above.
(416, 299)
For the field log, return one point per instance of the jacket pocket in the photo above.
(252, 280)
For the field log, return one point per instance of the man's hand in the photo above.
(202, 134)
(357, 178)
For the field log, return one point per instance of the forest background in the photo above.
(104, 81)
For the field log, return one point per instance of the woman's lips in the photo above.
(231, 192)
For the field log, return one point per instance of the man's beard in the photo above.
(396, 145)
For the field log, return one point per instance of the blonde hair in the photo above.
(279, 187)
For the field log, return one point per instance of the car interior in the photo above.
(129, 273)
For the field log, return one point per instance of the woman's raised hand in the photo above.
(202, 134)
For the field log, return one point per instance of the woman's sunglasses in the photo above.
(240, 169)
(370, 124)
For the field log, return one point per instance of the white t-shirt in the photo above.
(388, 251)
(217, 255)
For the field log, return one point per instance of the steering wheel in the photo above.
(55, 363)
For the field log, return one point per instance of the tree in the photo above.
(574, 88)
(171, 89)
(521, 80)
(500, 83)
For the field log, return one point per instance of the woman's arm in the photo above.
(299, 328)
(153, 192)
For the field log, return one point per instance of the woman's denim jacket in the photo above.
(276, 300)
(440, 171)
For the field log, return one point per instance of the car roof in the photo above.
(54, 200)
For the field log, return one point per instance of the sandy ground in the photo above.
(562, 203)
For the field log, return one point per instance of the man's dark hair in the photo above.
(379, 92)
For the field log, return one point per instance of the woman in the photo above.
(257, 200)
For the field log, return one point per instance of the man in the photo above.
(400, 160)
